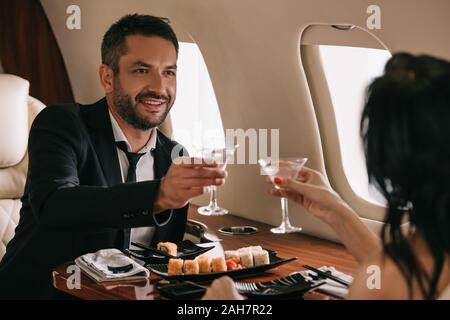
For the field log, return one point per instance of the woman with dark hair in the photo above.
(405, 129)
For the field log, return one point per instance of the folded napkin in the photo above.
(111, 265)
(330, 287)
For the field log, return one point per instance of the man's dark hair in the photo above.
(114, 46)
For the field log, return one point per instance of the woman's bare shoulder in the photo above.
(379, 278)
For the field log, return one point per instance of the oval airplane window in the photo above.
(339, 65)
(348, 72)
(195, 116)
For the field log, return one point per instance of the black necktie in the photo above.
(133, 159)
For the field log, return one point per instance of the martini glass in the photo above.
(221, 156)
(285, 168)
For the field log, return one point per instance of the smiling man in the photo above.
(101, 175)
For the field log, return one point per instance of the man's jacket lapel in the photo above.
(102, 137)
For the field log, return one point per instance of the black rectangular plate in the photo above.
(294, 285)
(161, 270)
(181, 291)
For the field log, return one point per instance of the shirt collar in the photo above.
(120, 136)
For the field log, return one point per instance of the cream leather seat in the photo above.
(17, 112)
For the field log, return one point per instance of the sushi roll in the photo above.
(246, 259)
(261, 258)
(191, 267)
(218, 264)
(231, 254)
(204, 264)
(244, 249)
(175, 267)
(168, 247)
(256, 249)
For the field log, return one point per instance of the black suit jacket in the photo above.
(74, 200)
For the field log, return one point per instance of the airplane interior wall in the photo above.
(252, 50)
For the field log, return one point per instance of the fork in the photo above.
(246, 286)
(269, 291)
(252, 286)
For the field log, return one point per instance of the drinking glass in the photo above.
(284, 168)
(221, 156)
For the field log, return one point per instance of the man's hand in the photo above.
(186, 179)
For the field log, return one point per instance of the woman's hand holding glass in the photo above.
(311, 190)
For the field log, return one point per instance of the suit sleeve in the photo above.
(56, 150)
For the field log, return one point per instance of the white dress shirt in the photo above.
(144, 171)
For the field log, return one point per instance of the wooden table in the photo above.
(308, 250)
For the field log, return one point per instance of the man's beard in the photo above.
(129, 113)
